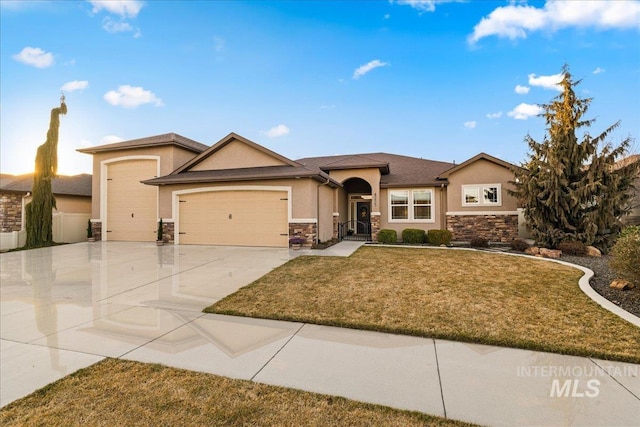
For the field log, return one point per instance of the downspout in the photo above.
(318, 208)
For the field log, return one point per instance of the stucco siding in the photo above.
(237, 155)
(436, 210)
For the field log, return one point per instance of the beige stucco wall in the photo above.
(371, 175)
(326, 196)
(69, 204)
(480, 172)
(171, 157)
(436, 209)
(237, 155)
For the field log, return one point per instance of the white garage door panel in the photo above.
(131, 205)
(239, 218)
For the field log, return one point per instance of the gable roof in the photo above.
(223, 143)
(151, 141)
(396, 170)
(479, 156)
(76, 185)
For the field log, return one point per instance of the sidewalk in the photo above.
(112, 308)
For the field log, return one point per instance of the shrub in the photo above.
(386, 236)
(439, 237)
(626, 253)
(413, 235)
(297, 240)
(479, 242)
(573, 248)
(519, 245)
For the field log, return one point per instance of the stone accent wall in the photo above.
(96, 230)
(336, 226)
(307, 230)
(375, 227)
(10, 212)
(168, 232)
(495, 228)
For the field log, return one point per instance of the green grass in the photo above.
(465, 296)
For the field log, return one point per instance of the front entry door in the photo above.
(364, 217)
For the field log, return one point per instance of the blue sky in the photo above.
(442, 80)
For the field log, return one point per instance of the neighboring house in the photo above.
(73, 206)
(633, 218)
(237, 192)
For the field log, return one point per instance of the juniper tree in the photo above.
(39, 211)
(570, 189)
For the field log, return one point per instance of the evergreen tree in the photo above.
(39, 211)
(573, 190)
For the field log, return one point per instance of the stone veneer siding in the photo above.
(308, 230)
(168, 232)
(375, 227)
(495, 228)
(10, 212)
(96, 230)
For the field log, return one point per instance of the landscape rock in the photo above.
(550, 253)
(532, 250)
(593, 251)
(621, 284)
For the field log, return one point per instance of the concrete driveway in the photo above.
(64, 308)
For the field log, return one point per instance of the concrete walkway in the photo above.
(67, 307)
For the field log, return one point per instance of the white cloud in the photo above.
(524, 111)
(516, 21)
(34, 56)
(364, 69)
(111, 139)
(131, 97)
(112, 26)
(423, 5)
(277, 131)
(494, 115)
(74, 85)
(547, 82)
(522, 90)
(123, 8)
(471, 124)
(599, 70)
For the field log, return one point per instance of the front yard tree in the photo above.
(39, 211)
(572, 190)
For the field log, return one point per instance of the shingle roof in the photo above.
(397, 170)
(242, 174)
(151, 141)
(76, 185)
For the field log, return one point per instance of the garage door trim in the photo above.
(176, 199)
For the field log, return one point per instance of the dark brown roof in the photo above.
(243, 174)
(76, 185)
(397, 171)
(151, 141)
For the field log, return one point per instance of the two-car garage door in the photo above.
(237, 217)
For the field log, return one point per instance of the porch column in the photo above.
(375, 226)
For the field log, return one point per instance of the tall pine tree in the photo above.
(39, 211)
(572, 190)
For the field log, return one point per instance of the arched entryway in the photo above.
(358, 202)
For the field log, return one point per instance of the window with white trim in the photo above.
(482, 195)
(411, 205)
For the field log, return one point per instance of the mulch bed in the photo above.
(602, 278)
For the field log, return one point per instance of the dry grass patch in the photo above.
(460, 295)
(116, 392)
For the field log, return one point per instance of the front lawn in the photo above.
(122, 393)
(450, 294)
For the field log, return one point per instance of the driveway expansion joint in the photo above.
(277, 352)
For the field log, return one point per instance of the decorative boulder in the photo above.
(622, 285)
(550, 253)
(593, 251)
(533, 250)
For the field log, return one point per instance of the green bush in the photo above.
(388, 237)
(414, 236)
(573, 248)
(439, 237)
(625, 254)
(519, 245)
(479, 242)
